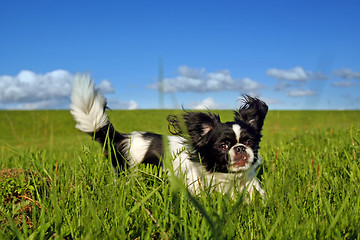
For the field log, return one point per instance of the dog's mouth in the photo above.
(241, 160)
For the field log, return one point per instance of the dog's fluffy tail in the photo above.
(87, 105)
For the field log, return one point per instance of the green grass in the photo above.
(55, 183)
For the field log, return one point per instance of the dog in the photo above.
(206, 153)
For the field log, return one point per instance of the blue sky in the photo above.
(292, 54)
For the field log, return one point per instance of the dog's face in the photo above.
(231, 146)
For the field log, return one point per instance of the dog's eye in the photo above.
(249, 143)
(225, 146)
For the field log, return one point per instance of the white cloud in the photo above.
(42, 104)
(191, 72)
(132, 105)
(195, 80)
(29, 90)
(28, 86)
(207, 103)
(105, 87)
(219, 80)
(343, 84)
(116, 104)
(272, 101)
(249, 85)
(294, 74)
(300, 93)
(347, 73)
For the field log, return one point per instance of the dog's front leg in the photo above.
(254, 183)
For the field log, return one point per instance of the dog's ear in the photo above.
(252, 112)
(199, 124)
(175, 126)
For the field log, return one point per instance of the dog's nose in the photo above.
(240, 149)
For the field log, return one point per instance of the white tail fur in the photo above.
(87, 105)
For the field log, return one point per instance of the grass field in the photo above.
(56, 184)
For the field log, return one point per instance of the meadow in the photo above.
(56, 184)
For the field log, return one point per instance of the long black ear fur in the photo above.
(196, 125)
(199, 124)
(252, 112)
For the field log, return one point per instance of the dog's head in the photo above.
(230, 146)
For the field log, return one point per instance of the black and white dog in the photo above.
(207, 153)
